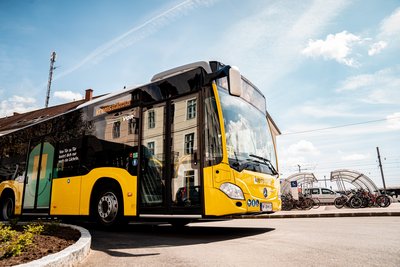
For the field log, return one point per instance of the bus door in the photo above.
(185, 179)
(152, 187)
(39, 175)
(170, 161)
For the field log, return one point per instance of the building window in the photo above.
(191, 109)
(189, 142)
(189, 178)
(131, 126)
(151, 147)
(116, 129)
(152, 119)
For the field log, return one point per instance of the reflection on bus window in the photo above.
(152, 184)
(185, 184)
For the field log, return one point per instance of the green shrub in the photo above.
(35, 229)
(6, 233)
(13, 243)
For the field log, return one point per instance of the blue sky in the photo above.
(320, 64)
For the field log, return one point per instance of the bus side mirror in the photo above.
(235, 81)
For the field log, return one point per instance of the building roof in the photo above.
(20, 120)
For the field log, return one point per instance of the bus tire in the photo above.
(7, 203)
(108, 206)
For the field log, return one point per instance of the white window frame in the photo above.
(152, 124)
(187, 109)
(186, 142)
(154, 146)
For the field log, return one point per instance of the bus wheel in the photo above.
(7, 208)
(108, 207)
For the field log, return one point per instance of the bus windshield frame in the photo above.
(247, 134)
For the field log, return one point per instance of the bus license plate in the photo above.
(266, 206)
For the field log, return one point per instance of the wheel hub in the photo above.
(108, 207)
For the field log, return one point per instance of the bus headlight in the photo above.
(232, 191)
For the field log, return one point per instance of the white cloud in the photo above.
(390, 30)
(382, 96)
(300, 153)
(394, 121)
(381, 87)
(291, 162)
(269, 45)
(376, 48)
(302, 147)
(391, 25)
(22, 100)
(336, 46)
(381, 78)
(68, 95)
(325, 108)
(356, 82)
(355, 156)
(341, 46)
(17, 104)
(328, 110)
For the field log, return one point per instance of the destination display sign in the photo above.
(113, 105)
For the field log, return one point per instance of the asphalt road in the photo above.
(345, 241)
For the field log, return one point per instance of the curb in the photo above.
(319, 215)
(70, 256)
(323, 215)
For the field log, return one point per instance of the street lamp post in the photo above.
(380, 166)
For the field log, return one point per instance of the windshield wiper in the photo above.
(240, 165)
(267, 162)
(236, 164)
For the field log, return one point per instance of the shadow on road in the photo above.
(151, 235)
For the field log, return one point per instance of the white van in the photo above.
(325, 195)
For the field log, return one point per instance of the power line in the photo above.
(340, 126)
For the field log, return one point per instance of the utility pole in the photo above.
(299, 167)
(325, 181)
(52, 68)
(380, 166)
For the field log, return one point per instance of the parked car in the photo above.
(325, 195)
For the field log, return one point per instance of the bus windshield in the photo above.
(248, 137)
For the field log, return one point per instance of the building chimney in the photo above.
(88, 94)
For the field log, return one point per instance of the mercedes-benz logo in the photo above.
(265, 192)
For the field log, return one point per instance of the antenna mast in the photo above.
(52, 60)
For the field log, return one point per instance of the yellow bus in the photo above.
(192, 144)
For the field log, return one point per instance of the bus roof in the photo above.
(172, 72)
